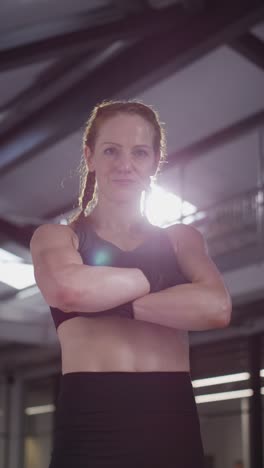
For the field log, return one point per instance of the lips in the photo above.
(123, 180)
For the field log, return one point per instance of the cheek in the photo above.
(102, 167)
(104, 177)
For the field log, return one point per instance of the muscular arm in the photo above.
(65, 282)
(203, 304)
(98, 288)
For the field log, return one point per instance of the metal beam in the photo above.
(194, 6)
(86, 32)
(250, 47)
(16, 422)
(54, 81)
(255, 415)
(128, 7)
(188, 39)
(55, 35)
(213, 141)
(42, 79)
(36, 333)
(21, 235)
(27, 354)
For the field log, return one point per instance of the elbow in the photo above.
(223, 314)
(70, 300)
(64, 300)
(64, 290)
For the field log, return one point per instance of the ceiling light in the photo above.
(33, 410)
(223, 396)
(222, 379)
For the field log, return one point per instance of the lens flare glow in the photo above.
(165, 208)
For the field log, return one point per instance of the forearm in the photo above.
(186, 307)
(97, 288)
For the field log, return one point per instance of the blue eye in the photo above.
(111, 150)
(141, 152)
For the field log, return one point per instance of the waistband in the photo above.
(109, 390)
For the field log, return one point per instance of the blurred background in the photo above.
(201, 65)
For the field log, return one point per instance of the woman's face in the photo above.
(123, 151)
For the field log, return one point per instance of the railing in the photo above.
(232, 224)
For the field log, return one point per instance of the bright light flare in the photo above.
(165, 208)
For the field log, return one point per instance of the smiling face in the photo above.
(123, 150)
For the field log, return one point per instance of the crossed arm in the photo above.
(203, 304)
(66, 283)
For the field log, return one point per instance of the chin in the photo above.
(125, 197)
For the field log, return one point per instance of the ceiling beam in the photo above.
(215, 140)
(194, 6)
(189, 39)
(52, 82)
(128, 7)
(251, 47)
(42, 79)
(19, 234)
(28, 333)
(25, 353)
(83, 33)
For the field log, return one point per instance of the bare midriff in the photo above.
(101, 344)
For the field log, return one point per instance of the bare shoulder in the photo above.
(186, 235)
(192, 255)
(53, 235)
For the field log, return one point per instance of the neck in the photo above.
(118, 218)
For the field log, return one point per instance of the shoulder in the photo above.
(49, 229)
(55, 233)
(185, 235)
(192, 254)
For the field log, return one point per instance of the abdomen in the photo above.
(120, 344)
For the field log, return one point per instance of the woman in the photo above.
(123, 294)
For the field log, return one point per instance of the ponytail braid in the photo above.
(101, 113)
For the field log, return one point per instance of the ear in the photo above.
(89, 158)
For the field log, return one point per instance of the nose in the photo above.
(125, 163)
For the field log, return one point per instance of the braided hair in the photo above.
(88, 196)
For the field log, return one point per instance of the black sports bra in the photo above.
(155, 255)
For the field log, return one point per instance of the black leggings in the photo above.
(126, 419)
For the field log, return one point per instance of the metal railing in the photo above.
(232, 224)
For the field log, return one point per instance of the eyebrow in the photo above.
(110, 143)
(118, 144)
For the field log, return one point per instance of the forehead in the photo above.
(126, 129)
